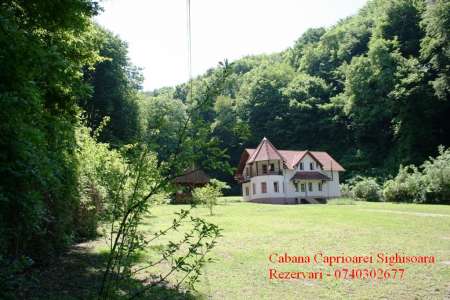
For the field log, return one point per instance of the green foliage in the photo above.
(407, 186)
(346, 190)
(430, 183)
(435, 46)
(358, 90)
(133, 184)
(310, 36)
(209, 194)
(115, 84)
(436, 177)
(10, 269)
(161, 117)
(44, 47)
(366, 189)
(96, 162)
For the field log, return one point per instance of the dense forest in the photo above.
(372, 90)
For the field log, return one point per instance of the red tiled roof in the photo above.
(265, 151)
(292, 157)
(311, 175)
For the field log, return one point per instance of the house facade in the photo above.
(269, 175)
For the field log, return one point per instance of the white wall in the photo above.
(269, 180)
(330, 189)
(306, 163)
(244, 185)
(334, 189)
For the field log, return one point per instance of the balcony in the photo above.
(269, 173)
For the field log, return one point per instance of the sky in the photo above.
(156, 33)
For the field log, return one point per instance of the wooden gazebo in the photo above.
(187, 182)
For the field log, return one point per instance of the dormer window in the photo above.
(311, 166)
(301, 166)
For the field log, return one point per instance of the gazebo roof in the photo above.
(192, 176)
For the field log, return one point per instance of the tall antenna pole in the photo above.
(188, 26)
(332, 170)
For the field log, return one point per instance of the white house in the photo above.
(276, 176)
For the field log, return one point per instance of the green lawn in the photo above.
(251, 232)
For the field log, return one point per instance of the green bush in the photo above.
(346, 190)
(91, 157)
(407, 186)
(366, 188)
(436, 177)
(430, 185)
(209, 194)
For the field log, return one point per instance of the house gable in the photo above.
(308, 160)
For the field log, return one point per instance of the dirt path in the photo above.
(419, 214)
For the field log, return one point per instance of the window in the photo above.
(254, 188)
(272, 167)
(310, 186)
(247, 173)
(311, 166)
(302, 187)
(301, 166)
(247, 191)
(296, 186)
(264, 169)
(317, 165)
(275, 187)
(263, 187)
(319, 186)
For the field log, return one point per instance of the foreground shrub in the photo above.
(407, 186)
(366, 188)
(96, 162)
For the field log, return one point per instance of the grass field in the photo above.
(251, 232)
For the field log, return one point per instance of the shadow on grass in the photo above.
(77, 275)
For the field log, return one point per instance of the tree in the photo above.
(44, 47)
(262, 104)
(115, 83)
(435, 46)
(369, 82)
(310, 36)
(209, 194)
(161, 116)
